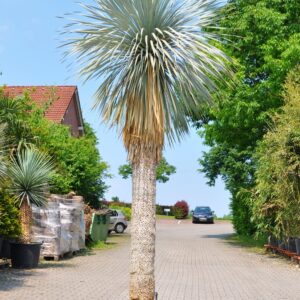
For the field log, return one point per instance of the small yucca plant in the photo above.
(29, 172)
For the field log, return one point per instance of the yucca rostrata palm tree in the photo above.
(151, 56)
(29, 173)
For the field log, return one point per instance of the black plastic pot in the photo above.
(297, 241)
(282, 245)
(1, 242)
(292, 245)
(272, 241)
(25, 256)
(5, 251)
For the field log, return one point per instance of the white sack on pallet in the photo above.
(60, 226)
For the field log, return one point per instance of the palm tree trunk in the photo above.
(26, 214)
(142, 282)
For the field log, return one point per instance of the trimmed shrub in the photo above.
(181, 209)
(159, 210)
(9, 218)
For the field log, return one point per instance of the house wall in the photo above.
(71, 118)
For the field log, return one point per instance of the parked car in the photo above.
(117, 221)
(203, 214)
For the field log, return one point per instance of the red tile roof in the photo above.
(60, 97)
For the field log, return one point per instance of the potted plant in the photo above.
(29, 173)
(297, 241)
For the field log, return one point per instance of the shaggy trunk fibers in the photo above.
(26, 214)
(142, 282)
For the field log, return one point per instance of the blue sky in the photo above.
(29, 56)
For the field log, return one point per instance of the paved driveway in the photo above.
(193, 262)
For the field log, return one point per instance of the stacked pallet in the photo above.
(60, 226)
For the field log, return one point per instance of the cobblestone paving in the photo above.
(193, 262)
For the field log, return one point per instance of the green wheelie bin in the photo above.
(99, 227)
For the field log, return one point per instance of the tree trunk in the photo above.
(142, 282)
(26, 217)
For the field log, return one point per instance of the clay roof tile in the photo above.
(59, 98)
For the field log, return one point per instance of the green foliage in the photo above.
(181, 209)
(163, 171)
(125, 171)
(9, 217)
(242, 213)
(276, 204)
(100, 245)
(159, 210)
(265, 46)
(115, 199)
(29, 173)
(80, 167)
(14, 113)
(125, 210)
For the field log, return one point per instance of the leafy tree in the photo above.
(151, 56)
(78, 161)
(115, 199)
(276, 204)
(163, 171)
(14, 114)
(265, 45)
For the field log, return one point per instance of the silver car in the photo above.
(117, 221)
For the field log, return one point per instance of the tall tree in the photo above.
(151, 55)
(163, 171)
(265, 46)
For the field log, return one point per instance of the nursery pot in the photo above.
(5, 251)
(282, 245)
(1, 242)
(292, 245)
(272, 241)
(297, 240)
(25, 256)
